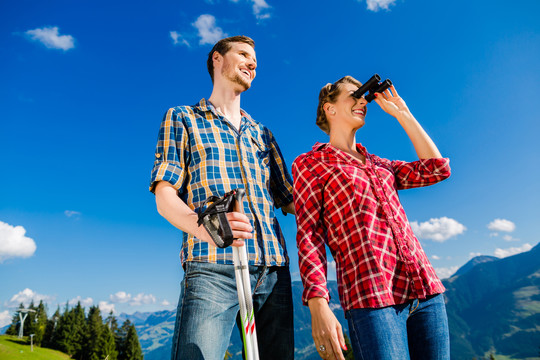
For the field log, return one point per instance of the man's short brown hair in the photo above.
(223, 46)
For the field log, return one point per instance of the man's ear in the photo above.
(216, 57)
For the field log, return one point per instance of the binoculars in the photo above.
(373, 86)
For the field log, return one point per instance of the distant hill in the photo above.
(494, 307)
(473, 262)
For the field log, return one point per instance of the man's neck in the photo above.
(227, 103)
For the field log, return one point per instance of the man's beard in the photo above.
(235, 78)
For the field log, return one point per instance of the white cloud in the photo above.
(509, 238)
(106, 307)
(376, 5)
(502, 253)
(435, 257)
(13, 243)
(178, 39)
(25, 297)
(208, 31)
(438, 230)
(446, 272)
(84, 302)
(260, 9)
(165, 303)
(49, 37)
(120, 297)
(5, 318)
(501, 225)
(71, 213)
(137, 300)
(141, 299)
(474, 254)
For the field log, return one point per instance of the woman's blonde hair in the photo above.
(329, 94)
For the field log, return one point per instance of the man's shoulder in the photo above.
(183, 109)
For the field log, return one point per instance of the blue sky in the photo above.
(84, 86)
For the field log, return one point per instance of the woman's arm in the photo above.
(394, 105)
(308, 201)
(326, 330)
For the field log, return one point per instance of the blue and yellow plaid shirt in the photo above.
(201, 154)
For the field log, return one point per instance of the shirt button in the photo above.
(158, 155)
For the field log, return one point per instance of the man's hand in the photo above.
(172, 208)
(326, 330)
(240, 227)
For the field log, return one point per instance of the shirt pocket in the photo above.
(262, 151)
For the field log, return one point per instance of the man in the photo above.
(209, 149)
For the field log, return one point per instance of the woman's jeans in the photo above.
(208, 308)
(415, 330)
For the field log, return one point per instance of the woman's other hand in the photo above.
(326, 330)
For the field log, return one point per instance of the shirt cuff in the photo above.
(315, 291)
(166, 171)
(437, 166)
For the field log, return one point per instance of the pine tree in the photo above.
(94, 328)
(120, 336)
(133, 347)
(129, 347)
(65, 340)
(79, 330)
(41, 323)
(50, 336)
(107, 346)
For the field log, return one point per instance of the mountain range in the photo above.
(493, 308)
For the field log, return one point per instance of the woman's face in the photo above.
(348, 109)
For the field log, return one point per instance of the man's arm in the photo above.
(176, 211)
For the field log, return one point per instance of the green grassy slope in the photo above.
(13, 348)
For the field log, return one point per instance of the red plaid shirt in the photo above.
(355, 210)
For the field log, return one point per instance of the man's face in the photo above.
(239, 65)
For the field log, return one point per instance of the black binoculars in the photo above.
(373, 86)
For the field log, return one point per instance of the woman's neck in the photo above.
(344, 140)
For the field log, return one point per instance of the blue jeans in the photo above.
(208, 308)
(415, 330)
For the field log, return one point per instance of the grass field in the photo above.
(13, 348)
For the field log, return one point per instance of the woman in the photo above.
(347, 199)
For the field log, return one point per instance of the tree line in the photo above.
(80, 334)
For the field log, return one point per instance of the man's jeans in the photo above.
(208, 308)
(415, 330)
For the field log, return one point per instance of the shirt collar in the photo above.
(206, 105)
(328, 147)
(337, 153)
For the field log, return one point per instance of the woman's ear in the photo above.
(329, 109)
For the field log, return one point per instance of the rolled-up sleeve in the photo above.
(171, 152)
(281, 184)
(420, 173)
(308, 203)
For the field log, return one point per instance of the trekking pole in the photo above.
(243, 285)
